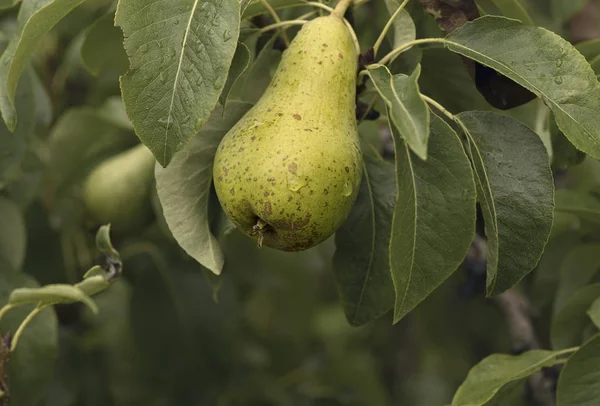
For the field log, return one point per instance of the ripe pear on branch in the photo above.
(289, 171)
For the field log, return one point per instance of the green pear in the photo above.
(289, 171)
(117, 191)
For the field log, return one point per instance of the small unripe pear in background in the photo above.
(117, 191)
(289, 171)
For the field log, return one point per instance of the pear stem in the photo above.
(276, 18)
(341, 7)
(259, 227)
(24, 324)
(281, 24)
(387, 27)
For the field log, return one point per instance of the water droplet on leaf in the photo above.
(144, 48)
(558, 80)
(226, 35)
(559, 63)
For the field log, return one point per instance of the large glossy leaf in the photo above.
(579, 381)
(560, 75)
(407, 111)
(434, 216)
(487, 377)
(569, 323)
(36, 18)
(102, 48)
(577, 269)
(12, 234)
(31, 365)
(515, 190)
(184, 189)
(180, 52)
(360, 262)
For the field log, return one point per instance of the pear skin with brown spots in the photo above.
(289, 171)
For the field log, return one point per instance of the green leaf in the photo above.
(406, 109)
(13, 145)
(240, 62)
(488, 376)
(515, 190)
(184, 188)
(113, 111)
(594, 313)
(31, 365)
(179, 53)
(577, 269)
(36, 18)
(579, 381)
(360, 262)
(569, 323)
(102, 48)
(434, 216)
(584, 205)
(13, 234)
(404, 26)
(560, 75)
(50, 295)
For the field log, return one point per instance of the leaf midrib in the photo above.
(176, 81)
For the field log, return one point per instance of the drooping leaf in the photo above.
(407, 110)
(179, 53)
(360, 261)
(13, 234)
(559, 75)
(487, 377)
(579, 381)
(102, 48)
(577, 269)
(36, 18)
(31, 365)
(569, 323)
(184, 189)
(51, 294)
(434, 216)
(13, 145)
(515, 190)
(583, 205)
(594, 313)
(240, 62)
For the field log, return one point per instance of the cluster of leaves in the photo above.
(181, 75)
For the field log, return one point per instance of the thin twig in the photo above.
(276, 18)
